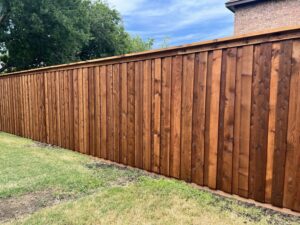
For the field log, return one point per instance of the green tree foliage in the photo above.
(36, 33)
(108, 36)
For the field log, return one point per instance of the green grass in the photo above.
(105, 194)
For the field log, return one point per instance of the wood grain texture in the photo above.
(291, 183)
(199, 106)
(176, 90)
(186, 116)
(166, 116)
(259, 121)
(138, 113)
(131, 116)
(116, 112)
(228, 132)
(245, 120)
(281, 124)
(272, 119)
(156, 115)
(124, 113)
(147, 111)
(214, 118)
(103, 125)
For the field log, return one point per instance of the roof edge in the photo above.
(232, 5)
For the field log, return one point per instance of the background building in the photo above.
(258, 15)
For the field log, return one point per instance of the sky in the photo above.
(175, 22)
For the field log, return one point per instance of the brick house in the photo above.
(258, 15)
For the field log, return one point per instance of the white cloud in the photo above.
(181, 20)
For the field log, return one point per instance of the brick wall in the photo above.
(267, 15)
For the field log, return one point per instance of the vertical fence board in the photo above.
(175, 147)
(259, 121)
(91, 111)
(116, 111)
(165, 116)
(103, 98)
(124, 114)
(156, 116)
(186, 116)
(131, 116)
(138, 72)
(214, 118)
(76, 111)
(147, 116)
(292, 165)
(97, 112)
(282, 108)
(199, 106)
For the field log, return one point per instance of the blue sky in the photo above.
(178, 21)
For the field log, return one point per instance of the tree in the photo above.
(37, 33)
(108, 36)
(43, 32)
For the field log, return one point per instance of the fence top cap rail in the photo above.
(150, 52)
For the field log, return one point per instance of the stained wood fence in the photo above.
(223, 114)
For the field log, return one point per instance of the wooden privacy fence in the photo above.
(223, 114)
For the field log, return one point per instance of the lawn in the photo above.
(41, 184)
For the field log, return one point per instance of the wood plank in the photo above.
(272, 119)
(176, 90)
(66, 110)
(228, 137)
(71, 109)
(259, 121)
(116, 112)
(138, 74)
(229, 119)
(97, 112)
(131, 115)
(43, 109)
(34, 111)
(147, 111)
(291, 187)
(54, 108)
(28, 107)
(76, 111)
(214, 118)
(58, 105)
(237, 123)
(109, 115)
(221, 121)
(199, 105)
(62, 108)
(103, 82)
(46, 105)
(281, 125)
(245, 120)
(207, 117)
(166, 116)
(91, 111)
(156, 110)
(81, 116)
(124, 113)
(186, 116)
(85, 93)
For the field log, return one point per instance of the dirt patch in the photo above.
(275, 217)
(123, 175)
(12, 208)
(40, 145)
